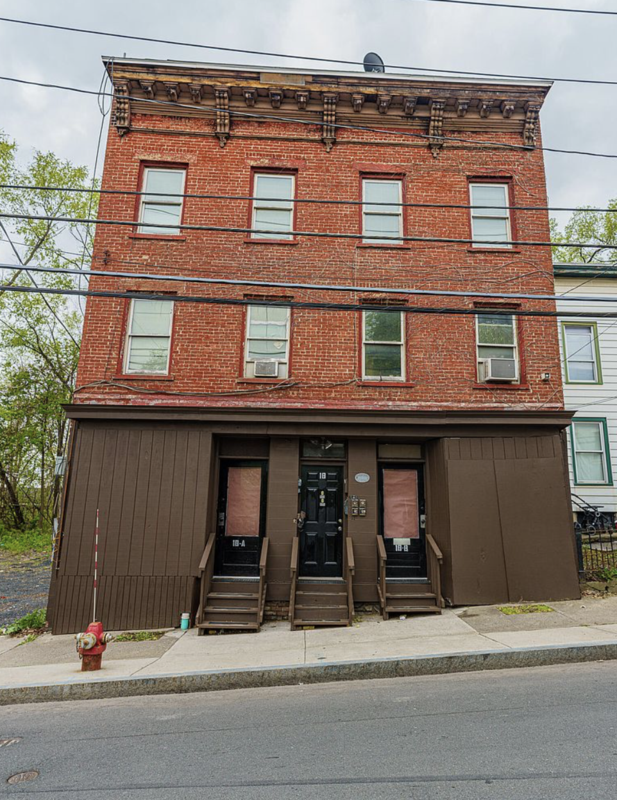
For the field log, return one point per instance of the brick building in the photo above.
(261, 450)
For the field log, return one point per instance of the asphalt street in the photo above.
(548, 732)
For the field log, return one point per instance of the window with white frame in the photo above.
(273, 211)
(148, 337)
(580, 341)
(490, 215)
(160, 207)
(382, 211)
(497, 348)
(590, 452)
(383, 345)
(267, 342)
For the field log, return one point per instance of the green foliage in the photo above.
(597, 228)
(39, 334)
(607, 574)
(538, 608)
(31, 540)
(140, 636)
(34, 621)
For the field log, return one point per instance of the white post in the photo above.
(96, 563)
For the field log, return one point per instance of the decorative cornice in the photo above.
(485, 107)
(173, 91)
(436, 126)
(357, 101)
(122, 107)
(383, 103)
(409, 106)
(223, 122)
(462, 107)
(532, 117)
(302, 99)
(196, 91)
(276, 97)
(507, 108)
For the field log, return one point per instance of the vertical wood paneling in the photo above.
(163, 522)
(177, 480)
(282, 507)
(141, 503)
(128, 503)
(188, 506)
(154, 497)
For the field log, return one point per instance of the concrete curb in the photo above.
(254, 677)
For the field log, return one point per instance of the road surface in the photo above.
(540, 733)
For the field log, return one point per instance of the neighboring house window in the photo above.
(267, 342)
(382, 212)
(383, 351)
(490, 215)
(590, 452)
(273, 212)
(497, 349)
(582, 361)
(149, 337)
(162, 208)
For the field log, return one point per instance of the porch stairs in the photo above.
(321, 602)
(230, 603)
(398, 596)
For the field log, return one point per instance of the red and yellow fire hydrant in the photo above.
(91, 646)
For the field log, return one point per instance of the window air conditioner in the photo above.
(266, 369)
(500, 369)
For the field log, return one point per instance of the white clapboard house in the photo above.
(589, 370)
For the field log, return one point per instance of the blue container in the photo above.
(185, 621)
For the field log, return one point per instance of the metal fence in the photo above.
(597, 552)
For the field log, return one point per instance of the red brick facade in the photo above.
(208, 341)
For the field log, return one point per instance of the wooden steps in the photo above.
(231, 604)
(320, 603)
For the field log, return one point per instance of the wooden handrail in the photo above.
(295, 545)
(350, 568)
(208, 550)
(433, 545)
(351, 562)
(263, 558)
(381, 549)
(382, 557)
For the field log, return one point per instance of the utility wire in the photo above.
(478, 144)
(290, 56)
(316, 286)
(309, 304)
(384, 239)
(311, 200)
(521, 7)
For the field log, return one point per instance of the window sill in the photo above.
(263, 380)
(249, 240)
(521, 387)
(372, 246)
(134, 376)
(389, 384)
(494, 250)
(157, 237)
(594, 485)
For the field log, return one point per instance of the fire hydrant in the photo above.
(91, 646)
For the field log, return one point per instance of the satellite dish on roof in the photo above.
(373, 63)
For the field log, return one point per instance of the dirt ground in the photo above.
(24, 583)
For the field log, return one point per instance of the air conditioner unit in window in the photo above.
(266, 369)
(500, 369)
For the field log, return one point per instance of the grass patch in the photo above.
(34, 622)
(31, 637)
(140, 636)
(30, 541)
(538, 608)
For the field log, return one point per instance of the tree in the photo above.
(596, 227)
(39, 334)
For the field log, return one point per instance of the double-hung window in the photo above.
(590, 452)
(382, 211)
(267, 342)
(148, 337)
(160, 208)
(383, 345)
(490, 215)
(582, 362)
(273, 212)
(497, 348)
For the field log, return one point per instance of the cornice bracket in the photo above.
(357, 101)
(532, 117)
(196, 92)
(276, 98)
(435, 128)
(223, 121)
(330, 99)
(250, 97)
(122, 107)
(485, 107)
(507, 108)
(409, 106)
(148, 88)
(383, 103)
(462, 107)
(173, 91)
(302, 99)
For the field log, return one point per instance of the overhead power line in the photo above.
(477, 143)
(298, 200)
(308, 304)
(521, 7)
(296, 57)
(384, 238)
(311, 286)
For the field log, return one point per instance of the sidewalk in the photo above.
(458, 640)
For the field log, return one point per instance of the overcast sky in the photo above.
(410, 32)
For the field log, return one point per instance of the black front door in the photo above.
(241, 517)
(321, 521)
(401, 517)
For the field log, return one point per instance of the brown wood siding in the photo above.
(510, 525)
(438, 508)
(151, 485)
(362, 457)
(282, 508)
